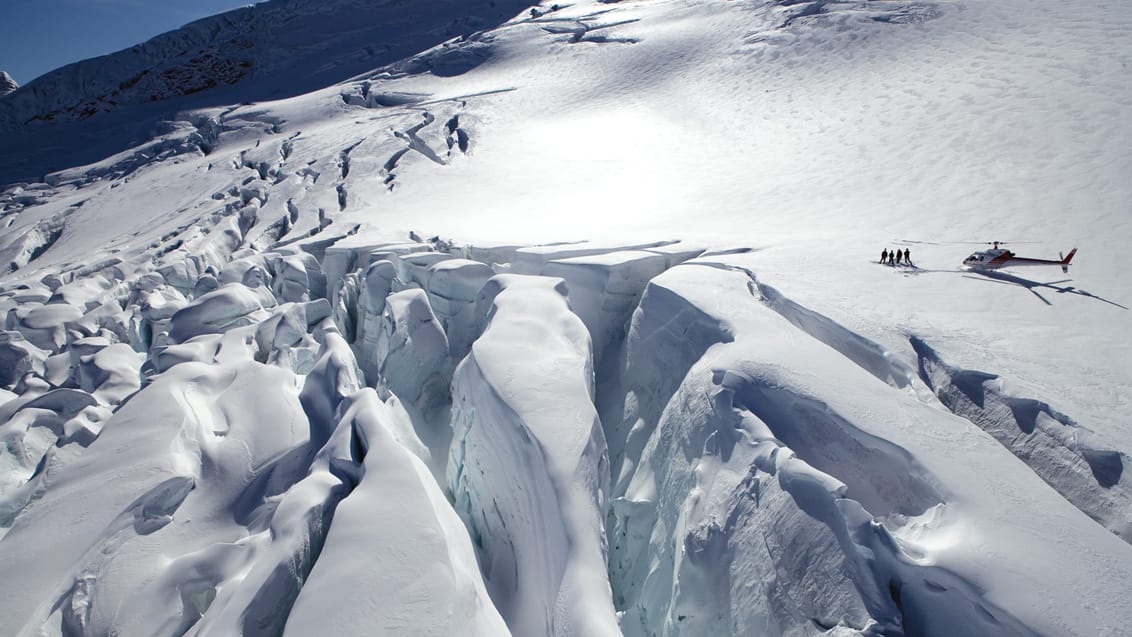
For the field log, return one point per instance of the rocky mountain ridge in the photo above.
(270, 50)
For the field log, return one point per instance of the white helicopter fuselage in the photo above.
(996, 258)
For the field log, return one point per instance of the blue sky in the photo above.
(37, 36)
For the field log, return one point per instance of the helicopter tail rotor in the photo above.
(1065, 260)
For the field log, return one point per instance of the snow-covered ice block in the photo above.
(160, 303)
(350, 255)
(108, 371)
(528, 465)
(298, 278)
(83, 293)
(458, 279)
(334, 378)
(30, 426)
(411, 359)
(182, 470)
(453, 286)
(200, 349)
(413, 269)
(284, 338)
(390, 251)
(377, 284)
(218, 245)
(57, 369)
(676, 252)
(183, 273)
(146, 282)
(394, 538)
(531, 259)
(412, 350)
(30, 293)
(71, 416)
(340, 261)
(491, 254)
(289, 323)
(206, 283)
(235, 270)
(604, 290)
(379, 277)
(232, 305)
(17, 357)
(44, 326)
(263, 575)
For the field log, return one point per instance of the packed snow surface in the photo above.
(567, 320)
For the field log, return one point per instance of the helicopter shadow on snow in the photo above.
(1004, 278)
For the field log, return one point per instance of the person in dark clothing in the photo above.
(892, 258)
(884, 255)
(907, 257)
(898, 255)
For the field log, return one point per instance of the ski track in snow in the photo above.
(266, 401)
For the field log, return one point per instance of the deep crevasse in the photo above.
(728, 487)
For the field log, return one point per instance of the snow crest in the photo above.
(529, 470)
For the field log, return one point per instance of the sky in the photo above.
(42, 35)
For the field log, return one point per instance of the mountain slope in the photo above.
(273, 49)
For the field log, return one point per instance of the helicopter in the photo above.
(997, 257)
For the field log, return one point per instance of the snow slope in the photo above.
(573, 325)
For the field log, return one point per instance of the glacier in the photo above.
(558, 320)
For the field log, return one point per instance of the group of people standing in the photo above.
(894, 257)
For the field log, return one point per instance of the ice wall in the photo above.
(735, 422)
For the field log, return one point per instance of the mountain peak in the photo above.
(7, 84)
